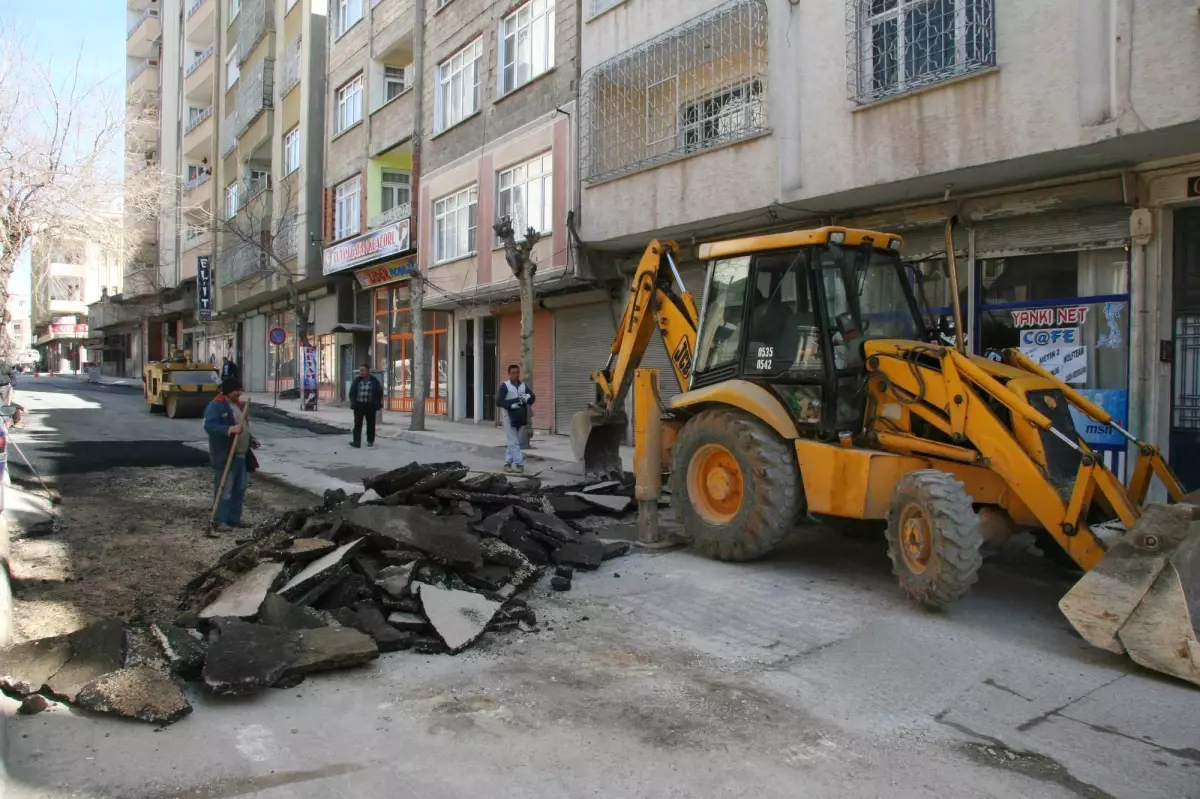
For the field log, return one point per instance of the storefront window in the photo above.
(326, 361)
(281, 361)
(393, 351)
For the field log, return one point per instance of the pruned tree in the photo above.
(258, 230)
(519, 254)
(61, 174)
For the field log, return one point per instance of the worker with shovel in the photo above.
(229, 444)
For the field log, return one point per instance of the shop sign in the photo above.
(1049, 317)
(204, 296)
(1115, 404)
(381, 243)
(93, 342)
(1066, 362)
(1053, 336)
(378, 275)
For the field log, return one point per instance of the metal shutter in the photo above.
(1106, 226)
(582, 337)
(925, 242)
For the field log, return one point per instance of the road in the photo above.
(803, 675)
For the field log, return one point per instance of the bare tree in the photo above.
(60, 161)
(258, 236)
(518, 254)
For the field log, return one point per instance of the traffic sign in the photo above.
(277, 336)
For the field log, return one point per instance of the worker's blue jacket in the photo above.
(218, 418)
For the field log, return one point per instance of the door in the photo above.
(472, 409)
(348, 371)
(491, 366)
(1185, 368)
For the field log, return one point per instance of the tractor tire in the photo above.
(734, 485)
(933, 538)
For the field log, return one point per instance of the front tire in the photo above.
(734, 485)
(933, 538)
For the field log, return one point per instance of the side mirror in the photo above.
(8, 410)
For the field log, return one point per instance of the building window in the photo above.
(442, 4)
(231, 71)
(234, 5)
(291, 151)
(394, 82)
(721, 117)
(526, 44)
(349, 105)
(347, 208)
(397, 189)
(348, 13)
(458, 86)
(454, 223)
(895, 46)
(600, 6)
(698, 85)
(525, 195)
(231, 200)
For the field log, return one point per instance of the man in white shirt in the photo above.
(515, 398)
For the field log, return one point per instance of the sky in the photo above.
(58, 32)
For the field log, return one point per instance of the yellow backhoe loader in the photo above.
(812, 385)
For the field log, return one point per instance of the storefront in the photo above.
(393, 351)
(282, 363)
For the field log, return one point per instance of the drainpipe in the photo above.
(1141, 229)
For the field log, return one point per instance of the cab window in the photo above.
(784, 331)
(721, 335)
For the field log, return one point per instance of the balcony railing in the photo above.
(289, 69)
(256, 91)
(255, 187)
(228, 134)
(147, 14)
(197, 182)
(200, 59)
(142, 67)
(256, 18)
(287, 242)
(195, 238)
(196, 119)
(193, 7)
(400, 212)
(241, 261)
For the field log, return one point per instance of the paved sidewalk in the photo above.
(480, 439)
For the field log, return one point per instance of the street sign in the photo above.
(277, 336)
(204, 288)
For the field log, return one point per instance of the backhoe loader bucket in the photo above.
(596, 441)
(1143, 597)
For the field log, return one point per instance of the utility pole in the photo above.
(416, 282)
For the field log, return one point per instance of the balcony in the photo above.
(255, 20)
(240, 261)
(197, 191)
(196, 238)
(198, 134)
(199, 77)
(392, 123)
(289, 68)
(141, 132)
(200, 13)
(65, 307)
(146, 28)
(255, 94)
(397, 214)
(287, 241)
(228, 135)
(392, 22)
(143, 82)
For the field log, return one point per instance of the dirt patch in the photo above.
(128, 541)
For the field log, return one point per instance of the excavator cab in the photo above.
(795, 320)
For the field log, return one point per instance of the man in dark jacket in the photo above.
(224, 420)
(366, 398)
(515, 398)
(229, 369)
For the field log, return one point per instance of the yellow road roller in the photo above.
(179, 387)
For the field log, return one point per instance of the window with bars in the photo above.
(349, 105)
(694, 87)
(525, 195)
(347, 208)
(896, 46)
(396, 189)
(526, 44)
(454, 225)
(458, 86)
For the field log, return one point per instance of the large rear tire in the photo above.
(734, 485)
(933, 538)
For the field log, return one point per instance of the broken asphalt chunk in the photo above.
(26, 667)
(489, 577)
(183, 649)
(408, 622)
(444, 539)
(602, 487)
(458, 617)
(242, 598)
(303, 550)
(616, 549)
(567, 506)
(560, 583)
(386, 636)
(278, 612)
(138, 692)
(614, 504)
(96, 650)
(492, 525)
(548, 525)
(329, 648)
(395, 580)
(320, 568)
(247, 658)
(496, 551)
(586, 555)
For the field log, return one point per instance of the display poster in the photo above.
(1115, 403)
(1059, 351)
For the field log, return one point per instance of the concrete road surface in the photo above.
(805, 675)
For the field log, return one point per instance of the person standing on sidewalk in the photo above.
(366, 400)
(224, 420)
(228, 368)
(515, 398)
(7, 379)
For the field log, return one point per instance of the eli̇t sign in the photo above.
(204, 298)
(381, 243)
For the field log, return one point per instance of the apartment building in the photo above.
(369, 178)
(1062, 135)
(268, 174)
(67, 276)
(19, 328)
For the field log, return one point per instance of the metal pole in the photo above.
(278, 355)
(960, 334)
(647, 453)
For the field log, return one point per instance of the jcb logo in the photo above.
(683, 358)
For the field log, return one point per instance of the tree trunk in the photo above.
(420, 380)
(525, 281)
(300, 311)
(9, 255)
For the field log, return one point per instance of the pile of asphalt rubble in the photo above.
(427, 559)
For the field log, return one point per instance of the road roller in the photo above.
(180, 387)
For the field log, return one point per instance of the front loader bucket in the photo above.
(596, 441)
(1143, 597)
